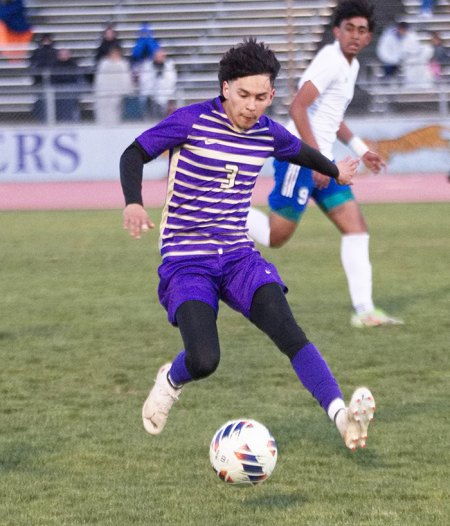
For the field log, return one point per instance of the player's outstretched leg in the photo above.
(353, 421)
(159, 402)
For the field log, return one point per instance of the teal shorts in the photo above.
(294, 186)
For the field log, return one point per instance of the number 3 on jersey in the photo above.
(232, 171)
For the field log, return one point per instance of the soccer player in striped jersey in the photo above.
(217, 149)
(317, 111)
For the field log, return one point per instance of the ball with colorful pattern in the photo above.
(243, 451)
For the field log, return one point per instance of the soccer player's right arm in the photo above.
(135, 218)
(166, 135)
(304, 98)
(298, 112)
(131, 166)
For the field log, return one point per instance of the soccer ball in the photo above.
(243, 452)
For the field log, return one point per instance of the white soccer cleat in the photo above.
(375, 318)
(354, 421)
(159, 402)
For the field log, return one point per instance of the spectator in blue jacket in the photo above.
(145, 45)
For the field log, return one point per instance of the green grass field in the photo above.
(82, 335)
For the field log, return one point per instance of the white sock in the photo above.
(357, 267)
(341, 421)
(333, 409)
(258, 226)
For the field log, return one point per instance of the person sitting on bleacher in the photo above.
(400, 50)
(416, 59)
(43, 59)
(441, 55)
(144, 48)
(113, 82)
(145, 44)
(109, 40)
(157, 85)
(389, 48)
(67, 78)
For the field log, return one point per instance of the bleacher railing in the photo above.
(23, 99)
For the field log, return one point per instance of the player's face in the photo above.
(246, 99)
(353, 35)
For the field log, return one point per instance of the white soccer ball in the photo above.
(243, 452)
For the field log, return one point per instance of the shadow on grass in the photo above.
(315, 433)
(17, 457)
(400, 302)
(276, 499)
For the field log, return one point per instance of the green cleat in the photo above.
(375, 318)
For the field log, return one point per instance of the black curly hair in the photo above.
(247, 59)
(346, 9)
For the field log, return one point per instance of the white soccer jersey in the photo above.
(335, 79)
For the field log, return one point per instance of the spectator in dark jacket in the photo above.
(42, 61)
(109, 40)
(43, 58)
(66, 77)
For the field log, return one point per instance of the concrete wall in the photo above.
(90, 153)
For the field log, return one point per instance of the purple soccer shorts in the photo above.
(232, 277)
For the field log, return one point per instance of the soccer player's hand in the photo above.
(374, 162)
(136, 220)
(320, 181)
(347, 169)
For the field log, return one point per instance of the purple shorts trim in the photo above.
(232, 277)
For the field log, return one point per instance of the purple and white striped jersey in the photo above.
(213, 168)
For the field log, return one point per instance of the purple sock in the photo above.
(314, 373)
(179, 374)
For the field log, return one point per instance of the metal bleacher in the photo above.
(195, 35)
(395, 97)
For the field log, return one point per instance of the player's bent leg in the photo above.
(353, 421)
(197, 323)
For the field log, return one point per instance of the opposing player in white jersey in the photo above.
(317, 116)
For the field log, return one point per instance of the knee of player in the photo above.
(290, 347)
(281, 230)
(204, 365)
(278, 239)
(289, 337)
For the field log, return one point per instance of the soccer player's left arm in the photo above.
(343, 171)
